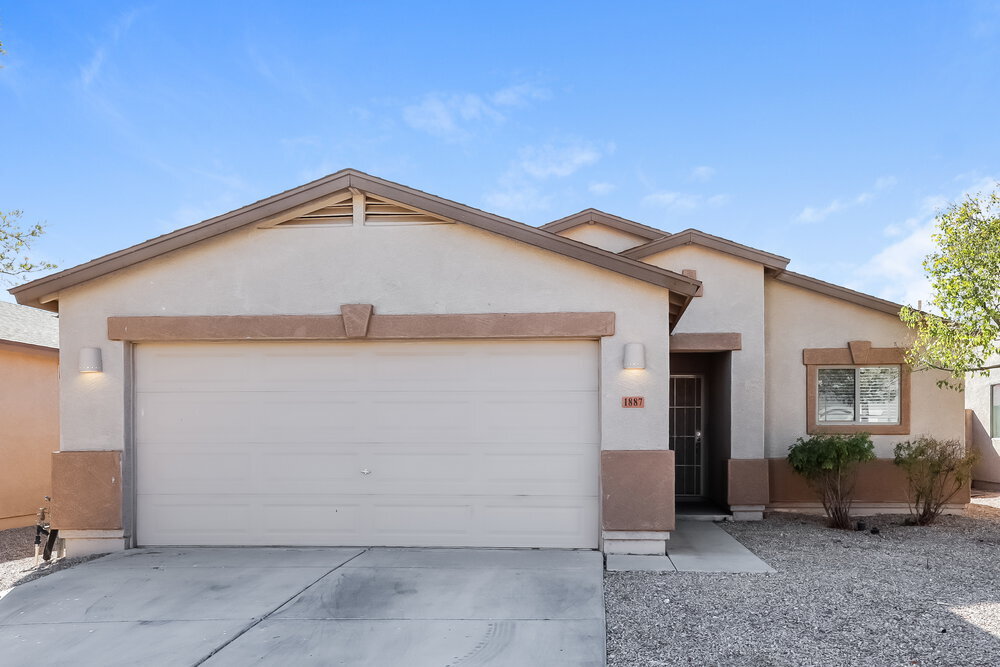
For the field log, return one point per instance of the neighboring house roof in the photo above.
(28, 326)
(592, 215)
(771, 261)
(297, 201)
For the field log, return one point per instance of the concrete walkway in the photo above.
(218, 606)
(695, 546)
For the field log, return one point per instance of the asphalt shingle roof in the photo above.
(23, 324)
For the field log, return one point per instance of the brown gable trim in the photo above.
(695, 237)
(526, 233)
(613, 221)
(290, 202)
(296, 201)
(838, 292)
(379, 327)
(706, 342)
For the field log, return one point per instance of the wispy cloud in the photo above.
(551, 160)
(516, 199)
(601, 188)
(91, 70)
(811, 214)
(684, 201)
(896, 272)
(702, 174)
(519, 191)
(456, 116)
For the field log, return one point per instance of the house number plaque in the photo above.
(633, 401)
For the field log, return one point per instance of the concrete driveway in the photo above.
(232, 606)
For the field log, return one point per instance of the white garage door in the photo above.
(397, 444)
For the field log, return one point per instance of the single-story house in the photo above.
(356, 362)
(29, 410)
(982, 401)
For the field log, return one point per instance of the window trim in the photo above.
(857, 394)
(994, 426)
(855, 355)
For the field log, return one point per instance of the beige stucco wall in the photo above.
(977, 399)
(599, 235)
(797, 319)
(29, 430)
(400, 269)
(733, 301)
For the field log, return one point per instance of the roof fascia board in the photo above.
(527, 234)
(592, 215)
(695, 237)
(292, 202)
(838, 292)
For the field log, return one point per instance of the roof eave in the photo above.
(838, 292)
(43, 292)
(595, 216)
(770, 261)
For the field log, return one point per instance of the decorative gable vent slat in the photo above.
(377, 212)
(380, 211)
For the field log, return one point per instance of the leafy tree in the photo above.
(935, 471)
(964, 336)
(14, 242)
(830, 465)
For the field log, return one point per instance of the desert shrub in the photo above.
(830, 465)
(935, 471)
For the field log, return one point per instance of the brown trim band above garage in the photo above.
(380, 327)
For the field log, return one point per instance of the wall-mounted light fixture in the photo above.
(90, 360)
(635, 356)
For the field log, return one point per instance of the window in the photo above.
(857, 388)
(859, 395)
(995, 411)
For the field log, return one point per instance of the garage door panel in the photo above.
(359, 520)
(244, 417)
(279, 468)
(541, 417)
(464, 444)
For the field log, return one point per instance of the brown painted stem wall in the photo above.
(879, 481)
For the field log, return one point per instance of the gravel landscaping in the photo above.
(906, 596)
(17, 558)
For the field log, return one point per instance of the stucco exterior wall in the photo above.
(733, 301)
(977, 399)
(447, 268)
(797, 319)
(596, 234)
(29, 430)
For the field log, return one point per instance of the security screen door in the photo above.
(687, 421)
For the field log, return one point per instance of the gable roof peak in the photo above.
(594, 215)
(774, 263)
(44, 292)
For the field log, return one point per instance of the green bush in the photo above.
(830, 465)
(935, 471)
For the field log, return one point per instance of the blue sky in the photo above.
(825, 132)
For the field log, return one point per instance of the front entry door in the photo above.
(687, 425)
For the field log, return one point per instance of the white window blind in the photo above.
(836, 395)
(863, 395)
